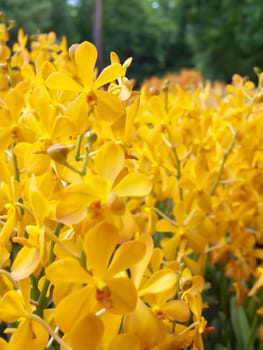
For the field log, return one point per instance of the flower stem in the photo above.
(77, 149)
(82, 171)
(173, 222)
(53, 334)
(56, 240)
(226, 154)
(16, 169)
(177, 159)
(43, 300)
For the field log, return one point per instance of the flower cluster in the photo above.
(113, 202)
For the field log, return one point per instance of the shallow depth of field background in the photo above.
(218, 38)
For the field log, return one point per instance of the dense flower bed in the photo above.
(115, 204)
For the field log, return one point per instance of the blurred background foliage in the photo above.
(215, 37)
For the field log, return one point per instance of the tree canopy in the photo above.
(218, 38)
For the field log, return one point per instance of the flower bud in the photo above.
(90, 137)
(154, 91)
(11, 24)
(186, 283)
(59, 152)
(72, 51)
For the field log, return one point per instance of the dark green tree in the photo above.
(144, 29)
(60, 19)
(83, 14)
(39, 16)
(225, 36)
(32, 16)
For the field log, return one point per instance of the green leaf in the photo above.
(220, 347)
(239, 323)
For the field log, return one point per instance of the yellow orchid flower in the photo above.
(15, 306)
(105, 187)
(105, 272)
(11, 128)
(108, 106)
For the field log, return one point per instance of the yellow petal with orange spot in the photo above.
(74, 200)
(123, 296)
(29, 335)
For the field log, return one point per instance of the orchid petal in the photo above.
(109, 107)
(109, 74)
(160, 281)
(79, 303)
(109, 161)
(85, 58)
(25, 263)
(12, 306)
(123, 295)
(62, 81)
(74, 200)
(128, 254)
(86, 333)
(105, 236)
(67, 270)
(133, 185)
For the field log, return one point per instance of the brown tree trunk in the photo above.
(97, 33)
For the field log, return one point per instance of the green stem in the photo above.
(83, 259)
(254, 325)
(16, 170)
(226, 154)
(53, 334)
(43, 300)
(85, 162)
(173, 222)
(178, 162)
(224, 303)
(179, 171)
(55, 239)
(77, 149)
(252, 332)
(83, 170)
(10, 78)
(34, 290)
(51, 257)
